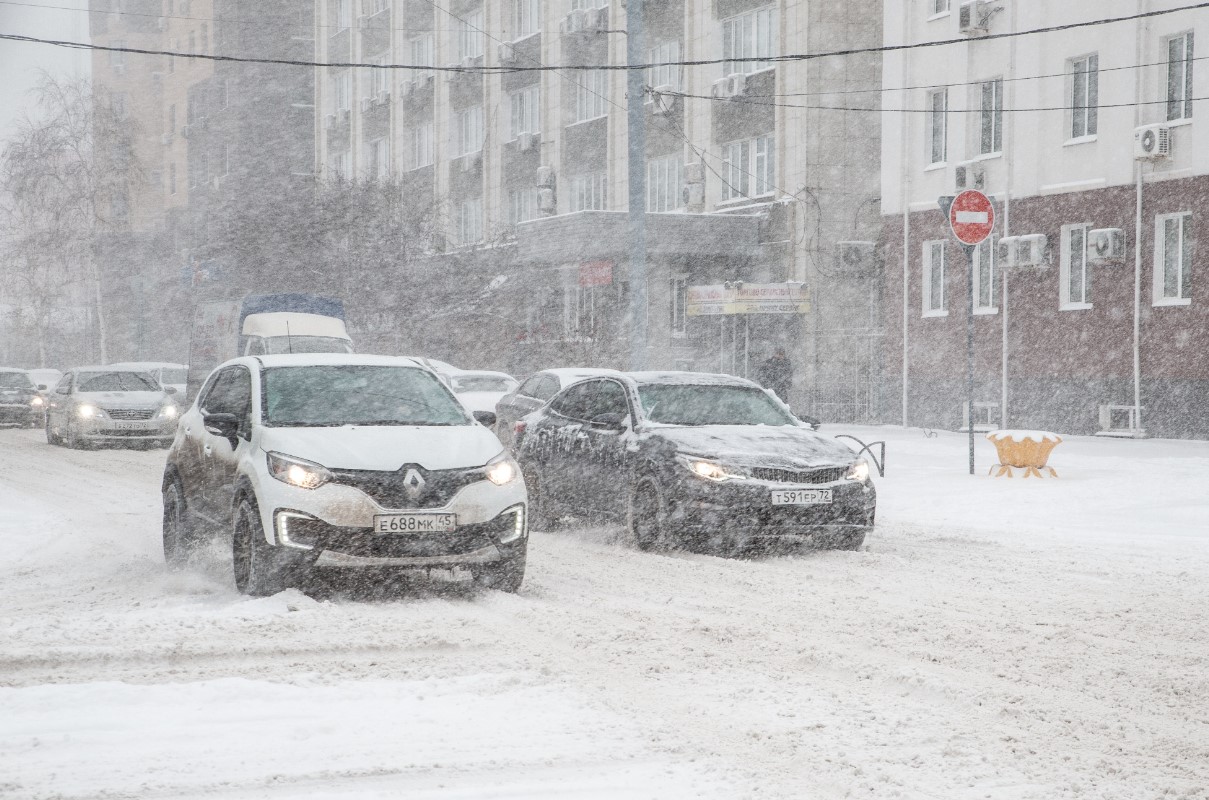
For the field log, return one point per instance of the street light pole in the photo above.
(636, 141)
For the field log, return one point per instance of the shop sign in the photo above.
(747, 298)
(595, 273)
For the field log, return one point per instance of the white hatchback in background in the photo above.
(352, 461)
(480, 390)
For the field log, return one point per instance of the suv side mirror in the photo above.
(486, 418)
(610, 421)
(222, 423)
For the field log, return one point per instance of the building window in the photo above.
(579, 311)
(1179, 77)
(471, 39)
(984, 278)
(526, 18)
(991, 118)
(419, 140)
(665, 184)
(591, 94)
(939, 6)
(1074, 290)
(588, 192)
(664, 54)
(525, 110)
(377, 160)
(1173, 259)
(937, 122)
(679, 289)
(749, 167)
(468, 131)
(421, 51)
(470, 221)
(749, 41)
(342, 91)
(172, 178)
(1084, 96)
(344, 15)
(934, 279)
(379, 79)
(522, 205)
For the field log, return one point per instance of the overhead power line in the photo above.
(618, 67)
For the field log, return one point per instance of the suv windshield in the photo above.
(15, 380)
(279, 345)
(356, 394)
(710, 405)
(116, 382)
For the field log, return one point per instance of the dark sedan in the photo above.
(21, 402)
(693, 460)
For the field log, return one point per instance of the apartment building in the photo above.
(1089, 312)
(760, 173)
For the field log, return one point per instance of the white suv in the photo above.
(346, 461)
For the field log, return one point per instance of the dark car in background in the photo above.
(708, 462)
(21, 403)
(531, 395)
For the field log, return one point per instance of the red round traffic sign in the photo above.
(972, 217)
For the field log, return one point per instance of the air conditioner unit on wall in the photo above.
(383, 97)
(1152, 142)
(575, 22)
(970, 175)
(974, 17)
(407, 88)
(1032, 250)
(545, 177)
(1006, 255)
(366, 104)
(694, 186)
(525, 141)
(546, 200)
(1106, 246)
(732, 85)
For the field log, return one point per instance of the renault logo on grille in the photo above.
(413, 483)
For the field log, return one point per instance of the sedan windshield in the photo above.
(356, 394)
(116, 382)
(710, 405)
(482, 383)
(15, 380)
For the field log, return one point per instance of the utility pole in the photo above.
(636, 140)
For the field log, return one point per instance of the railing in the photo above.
(879, 461)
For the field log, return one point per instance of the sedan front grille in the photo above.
(130, 413)
(824, 475)
(391, 489)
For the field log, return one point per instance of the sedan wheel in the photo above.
(51, 438)
(177, 533)
(540, 517)
(646, 516)
(74, 440)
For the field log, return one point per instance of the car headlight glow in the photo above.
(710, 470)
(858, 471)
(37, 402)
(297, 472)
(87, 411)
(502, 469)
(169, 412)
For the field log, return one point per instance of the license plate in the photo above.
(125, 425)
(414, 523)
(450, 574)
(801, 497)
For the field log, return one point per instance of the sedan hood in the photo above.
(122, 399)
(780, 447)
(386, 447)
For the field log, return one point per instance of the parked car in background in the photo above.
(20, 401)
(533, 393)
(168, 374)
(480, 390)
(344, 461)
(692, 460)
(105, 405)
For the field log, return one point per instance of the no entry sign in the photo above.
(972, 217)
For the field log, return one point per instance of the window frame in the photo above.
(1068, 259)
(589, 186)
(591, 96)
(524, 106)
(679, 306)
(468, 128)
(665, 184)
(471, 35)
(526, 18)
(470, 222)
(756, 175)
(936, 120)
(1090, 127)
(419, 146)
(928, 276)
(740, 36)
(990, 118)
(1179, 108)
(988, 286)
(1187, 242)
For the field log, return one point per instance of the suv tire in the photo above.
(179, 534)
(259, 570)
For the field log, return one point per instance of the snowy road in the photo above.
(997, 639)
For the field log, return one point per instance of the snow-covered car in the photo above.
(531, 395)
(345, 461)
(104, 405)
(689, 459)
(480, 390)
(169, 375)
(20, 401)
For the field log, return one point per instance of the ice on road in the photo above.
(1003, 639)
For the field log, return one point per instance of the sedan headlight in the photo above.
(710, 470)
(169, 411)
(37, 402)
(502, 469)
(858, 471)
(87, 411)
(298, 472)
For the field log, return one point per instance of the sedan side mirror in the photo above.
(170, 389)
(221, 423)
(41, 387)
(485, 418)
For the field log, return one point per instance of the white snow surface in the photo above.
(998, 638)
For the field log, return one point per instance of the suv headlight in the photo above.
(502, 469)
(858, 471)
(710, 470)
(297, 472)
(36, 401)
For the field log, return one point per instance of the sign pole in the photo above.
(970, 347)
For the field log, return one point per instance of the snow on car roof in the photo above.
(331, 359)
(671, 377)
(565, 374)
(108, 368)
(148, 365)
(481, 373)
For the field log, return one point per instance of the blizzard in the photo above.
(1010, 639)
